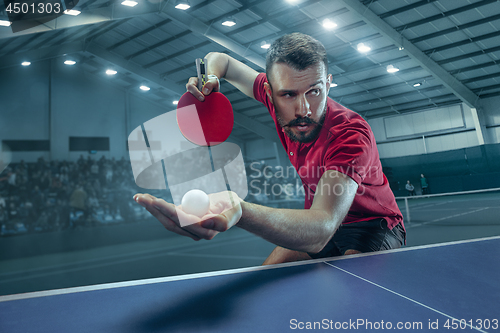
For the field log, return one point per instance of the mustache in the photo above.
(300, 121)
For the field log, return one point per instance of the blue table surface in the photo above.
(423, 285)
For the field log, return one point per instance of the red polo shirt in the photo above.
(346, 144)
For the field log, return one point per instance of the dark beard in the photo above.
(302, 137)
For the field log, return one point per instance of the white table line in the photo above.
(401, 295)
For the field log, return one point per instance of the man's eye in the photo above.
(288, 95)
(315, 92)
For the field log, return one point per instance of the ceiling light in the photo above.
(363, 48)
(392, 69)
(72, 12)
(333, 85)
(182, 4)
(111, 72)
(265, 45)
(129, 3)
(69, 62)
(418, 84)
(175, 102)
(4, 23)
(229, 22)
(26, 63)
(144, 88)
(329, 25)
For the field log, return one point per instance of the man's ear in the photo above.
(269, 91)
(329, 80)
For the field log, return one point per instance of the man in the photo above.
(424, 184)
(410, 188)
(349, 207)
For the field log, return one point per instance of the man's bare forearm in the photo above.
(217, 64)
(235, 72)
(305, 230)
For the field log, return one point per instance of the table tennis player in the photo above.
(349, 207)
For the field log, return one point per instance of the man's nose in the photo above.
(303, 108)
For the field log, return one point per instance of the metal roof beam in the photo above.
(455, 86)
(463, 42)
(483, 77)
(172, 88)
(175, 89)
(198, 27)
(416, 105)
(140, 33)
(473, 6)
(357, 55)
(479, 90)
(382, 88)
(401, 95)
(41, 54)
(372, 67)
(440, 62)
(389, 112)
(182, 34)
(469, 55)
(456, 28)
(406, 8)
(90, 16)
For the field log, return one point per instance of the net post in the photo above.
(407, 210)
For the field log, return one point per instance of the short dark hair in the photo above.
(297, 50)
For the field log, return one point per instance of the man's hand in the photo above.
(211, 85)
(224, 212)
(220, 65)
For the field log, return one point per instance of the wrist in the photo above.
(211, 77)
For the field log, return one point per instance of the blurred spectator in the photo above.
(11, 181)
(3, 218)
(12, 215)
(78, 199)
(94, 170)
(45, 181)
(42, 223)
(410, 188)
(424, 184)
(3, 204)
(55, 195)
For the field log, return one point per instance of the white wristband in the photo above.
(212, 76)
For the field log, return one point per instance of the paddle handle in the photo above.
(201, 68)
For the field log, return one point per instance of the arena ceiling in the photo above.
(446, 51)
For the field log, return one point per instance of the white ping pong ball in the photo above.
(195, 202)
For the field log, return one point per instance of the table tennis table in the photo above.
(435, 288)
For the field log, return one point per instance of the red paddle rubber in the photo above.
(208, 123)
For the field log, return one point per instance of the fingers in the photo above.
(224, 213)
(164, 214)
(192, 87)
(198, 230)
(171, 225)
(224, 221)
(211, 85)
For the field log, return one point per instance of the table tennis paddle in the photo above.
(206, 123)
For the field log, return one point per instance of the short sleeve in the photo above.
(350, 153)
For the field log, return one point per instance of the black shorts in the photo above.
(366, 236)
